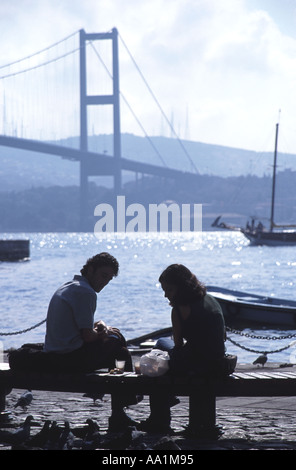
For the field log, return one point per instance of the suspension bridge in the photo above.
(43, 118)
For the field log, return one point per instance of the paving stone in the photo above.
(243, 429)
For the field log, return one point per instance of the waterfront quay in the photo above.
(259, 423)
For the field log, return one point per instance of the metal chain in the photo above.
(227, 328)
(252, 336)
(23, 331)
(248, 335)
(261, 352)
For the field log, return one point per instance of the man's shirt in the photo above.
(71, 308)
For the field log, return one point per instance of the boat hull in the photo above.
(287, 238)
(240, 309)
(146, 342)
(248, 310)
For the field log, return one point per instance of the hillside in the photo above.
(56, 208)
(21, 170)
(41, 192)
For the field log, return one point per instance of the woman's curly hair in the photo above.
(189, 287)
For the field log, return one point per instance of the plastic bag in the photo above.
(154, 363)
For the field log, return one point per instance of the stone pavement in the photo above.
(248, 423)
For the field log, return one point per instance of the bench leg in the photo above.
(202, 415)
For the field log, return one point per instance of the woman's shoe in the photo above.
(120, 422)
(155, 427)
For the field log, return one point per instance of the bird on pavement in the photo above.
(18, 436)
(123, 440)
(93, 436)
(25, 400)
(95, 396)
(66, 439)
(262, 359)
(54, 434)
(40, 439)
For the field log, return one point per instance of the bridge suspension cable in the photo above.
(39, 52)
(129, 106)
(10, 72)
(158, 104)
(50, 61)
(33, 87)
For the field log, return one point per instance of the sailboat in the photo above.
(256, 232)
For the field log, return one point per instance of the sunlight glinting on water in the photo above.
(134, 301)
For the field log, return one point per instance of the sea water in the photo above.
(134, 301)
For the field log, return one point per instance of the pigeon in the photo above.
(93, 437)
(40, 439)
(261, 359)
(131, 436)
(25, 400)
(80, 431)
(93, 427)
(53, 437)
(166, 443)
(18, 436)
(95, 396)
(137, 438)
(66, 439)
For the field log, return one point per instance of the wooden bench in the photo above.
(202, 393)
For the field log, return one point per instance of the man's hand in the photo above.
(113, 330)
(99, 332)
(89, 335)
(101, 327)
(102, 331)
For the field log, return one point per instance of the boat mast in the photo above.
(273, 178)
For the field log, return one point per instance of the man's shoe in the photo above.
(119, 423)
(133, 400)
(174, 401)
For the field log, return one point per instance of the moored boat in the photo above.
(240, 309)
(14, 250)
(252, 310)
(271, 238)
(147, 342)
(258, 234)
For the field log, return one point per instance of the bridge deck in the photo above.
(96, 163)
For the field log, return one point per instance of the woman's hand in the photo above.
(177, 329)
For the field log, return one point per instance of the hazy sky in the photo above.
(221, 70)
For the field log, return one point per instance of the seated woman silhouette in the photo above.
(198, 340)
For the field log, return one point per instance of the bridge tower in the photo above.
(99, 100)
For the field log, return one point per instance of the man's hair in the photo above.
(100, 260)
